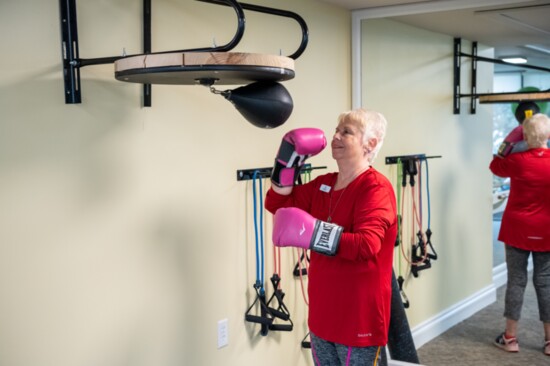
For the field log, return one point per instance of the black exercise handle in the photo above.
(408, 167)
(306, 344)
(258, 319)
(404, 298)
(279, 314)
(415, 268)
(430, 255)
(412, 172)
(265, 318)
(429, 242)
(404, 172)
(281, 327)
(296, 271)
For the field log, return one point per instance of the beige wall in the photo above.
(408, 76)
(124, 235)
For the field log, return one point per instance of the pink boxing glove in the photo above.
(296, 228)
(514, 138)
(296, 147)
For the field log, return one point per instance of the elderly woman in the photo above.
(525, 228)
(348, 219)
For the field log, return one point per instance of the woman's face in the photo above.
(347, 142)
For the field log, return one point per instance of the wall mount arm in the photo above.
(488, 97)
(70, 50)
(277, 12)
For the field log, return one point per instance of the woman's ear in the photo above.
(371, 144)
(366, 148)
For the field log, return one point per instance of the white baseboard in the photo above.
(437, 325)
(443, 321)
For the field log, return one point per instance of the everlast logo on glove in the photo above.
(326, 238)
(295, 227)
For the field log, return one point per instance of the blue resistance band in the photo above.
(260, 237)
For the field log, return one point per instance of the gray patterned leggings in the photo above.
(333, 354)
(516, 261)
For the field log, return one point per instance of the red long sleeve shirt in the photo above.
(350, 293)
(526, 219)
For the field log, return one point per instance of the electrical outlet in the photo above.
(223, 333)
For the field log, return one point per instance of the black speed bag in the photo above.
(265, 104)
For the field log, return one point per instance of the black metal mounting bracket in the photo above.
(473, 95)
(248, 174)
(395, 159)
(409, 168)
(70, 51)
(72, 62)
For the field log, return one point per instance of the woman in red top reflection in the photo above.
(525, 227)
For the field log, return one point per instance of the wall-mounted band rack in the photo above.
(408, 165)
(394, 159)
(488, 97)
(248, 174)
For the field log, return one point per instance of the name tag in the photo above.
(325, 188)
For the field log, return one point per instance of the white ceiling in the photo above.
(512, 27)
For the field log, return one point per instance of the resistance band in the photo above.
(422, 251)
(432, 255)
(300, 269)
(266, 317)
(409, 168)
(280, 311)
(400, 279)
(274, 307)
(418, 253)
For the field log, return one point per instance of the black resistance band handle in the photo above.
(282, 311)
(258, 319)
(404, 298)
(281, 327)
(417, 268)
(306, 344)
(279, 314)
(266, 318)
(296, 271)
(429, 242)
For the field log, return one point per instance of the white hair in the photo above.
(536, 130)
(372, 125)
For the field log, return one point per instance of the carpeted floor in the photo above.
(471, 341)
